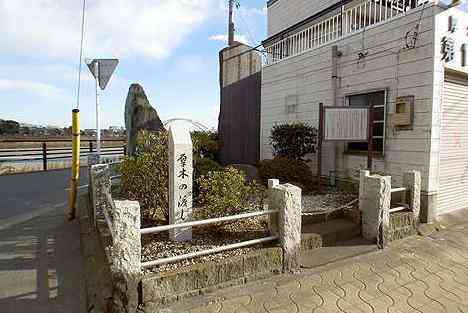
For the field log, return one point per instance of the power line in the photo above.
(81, 56)
(247, 28)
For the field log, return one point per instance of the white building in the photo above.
(346, 53)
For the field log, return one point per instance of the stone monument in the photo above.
(180, 181)
(139, 114)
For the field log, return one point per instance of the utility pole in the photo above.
(231, 24)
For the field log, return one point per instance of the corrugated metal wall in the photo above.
(453, 163)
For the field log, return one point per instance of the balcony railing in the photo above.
(348, 21)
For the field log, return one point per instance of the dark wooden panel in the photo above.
(239, 121)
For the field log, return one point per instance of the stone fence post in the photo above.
(100, 185)
(412, 182)
(125, 256)
(288, 223)
(375, 207)
(362, 176)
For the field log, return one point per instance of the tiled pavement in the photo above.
(418, 274)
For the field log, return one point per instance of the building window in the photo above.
(378, 101)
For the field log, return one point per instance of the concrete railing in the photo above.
(375, 203)
(122, 220)
(285, 226)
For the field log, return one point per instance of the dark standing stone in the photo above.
(139, 114)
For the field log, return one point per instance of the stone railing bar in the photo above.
(399, 189)
(284, 224)
(208, 251)
(152, 230)
(158, 229)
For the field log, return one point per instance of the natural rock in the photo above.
(139, 115)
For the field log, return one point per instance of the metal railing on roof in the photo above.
(348, 21)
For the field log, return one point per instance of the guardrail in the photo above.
(348, 21)
(47, 153)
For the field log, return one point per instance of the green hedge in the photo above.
(293, 141)
(145, 176)
(227, 192)
(296, 172)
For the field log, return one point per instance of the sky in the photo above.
(170, 47)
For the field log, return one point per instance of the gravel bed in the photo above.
(204, 237)
(326, 202)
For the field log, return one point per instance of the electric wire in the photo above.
(247, 28)
(81, 56)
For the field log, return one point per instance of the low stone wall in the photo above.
(167, 287)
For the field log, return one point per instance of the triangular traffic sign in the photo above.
(106, 68)
(92, 67)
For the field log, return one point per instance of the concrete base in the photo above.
(341, 250)
(402, 225)
(328, 234)
(164, 288)
(429, 205)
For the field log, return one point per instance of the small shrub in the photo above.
(287, 171)
(293, 141)
(145, 176)
(205, 145)
(201, 167)
(226, 192)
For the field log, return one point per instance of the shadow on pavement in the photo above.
(41, 267)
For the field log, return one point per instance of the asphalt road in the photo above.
(32, 192)
(41, 268)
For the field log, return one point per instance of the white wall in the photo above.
(285, 13)
(460, 37)
(309, 77)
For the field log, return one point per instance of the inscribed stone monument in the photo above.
(180, 181)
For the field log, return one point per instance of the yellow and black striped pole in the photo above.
(75, 175)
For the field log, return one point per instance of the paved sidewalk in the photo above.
(418, 274)
(40, 259)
